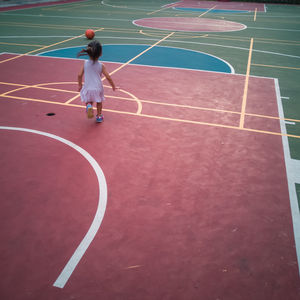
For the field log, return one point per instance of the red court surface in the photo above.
(197, 208)
(30, 5)
(219, 5)
(190, 24)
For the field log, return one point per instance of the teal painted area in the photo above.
(182, 58)
(112, 53)
(217, 11)
(157, 56)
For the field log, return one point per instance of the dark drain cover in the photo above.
(50, 114)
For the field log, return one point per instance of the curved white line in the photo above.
(170, 41)
(134, 22)
(116, 6)
(79, 252)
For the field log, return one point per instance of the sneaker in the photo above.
(90, 111)
(99, 119)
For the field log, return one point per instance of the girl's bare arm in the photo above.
(107, 76)
(80, 75)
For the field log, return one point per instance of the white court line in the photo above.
(7, 13)
(169, 41)
(293, 175)
(278, 29)
(79, 252)
(65, 17)
(134, 22)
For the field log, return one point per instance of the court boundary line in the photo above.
(100, 211)
(244, 101)
(292, 174)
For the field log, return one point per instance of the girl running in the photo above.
(92, 90)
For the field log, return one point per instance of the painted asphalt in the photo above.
(158, 56)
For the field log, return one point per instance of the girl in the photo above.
(92, 90)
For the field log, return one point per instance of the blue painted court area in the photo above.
(157, 56)
(217, 11)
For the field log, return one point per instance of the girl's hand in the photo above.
(79, 87)
(115, 88)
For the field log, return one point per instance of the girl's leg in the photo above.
(99, 118)
(99, 108)
(90, 110)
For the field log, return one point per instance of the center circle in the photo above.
(190, 24)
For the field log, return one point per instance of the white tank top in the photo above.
(92, 75)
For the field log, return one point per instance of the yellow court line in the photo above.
(135, 99)
(110, 29)
(37, 86)
(13, 84)
(260, 40)
(254, 18)
(15, 90)
(244, 102)
(207, 11)
(47, 26)
(72, 99)
(74, 6)
(153, 12)
(220, 125)
(150, 34)
(15, 44)
(241, 38)
(45, 47)
(158, 34)
(272, 66)
(128, 62)
(158, 117)
(42, 86)
(271, 117)
(178, 105)
(205, 109)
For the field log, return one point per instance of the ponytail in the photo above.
(93, 50)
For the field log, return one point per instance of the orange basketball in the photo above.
(89, 33)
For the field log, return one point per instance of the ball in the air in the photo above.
(89, 33)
